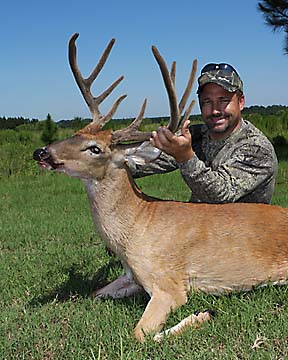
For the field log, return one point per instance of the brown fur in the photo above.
(170, 248)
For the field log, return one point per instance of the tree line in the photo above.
(30, 134)
(78, 122)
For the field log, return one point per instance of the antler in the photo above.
(169, 81)
(175, 122)
(85, 84)
(131, 132)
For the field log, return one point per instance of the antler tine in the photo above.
(112, 111)
(173, 72)
(136, 123)
(85, 84)
(132, 132)
(187, 113)
(169, 81)
(174, 111)
(101, 62)
(189, 86)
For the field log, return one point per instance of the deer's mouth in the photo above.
(49, 164)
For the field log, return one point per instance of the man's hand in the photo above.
(180, 147)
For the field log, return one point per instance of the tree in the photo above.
(276, 16)
(49, 131)
(77, 123)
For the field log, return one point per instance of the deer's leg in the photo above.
(124, 286)
(156, 313)
(192, 320)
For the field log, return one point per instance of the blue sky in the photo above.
(36, 78)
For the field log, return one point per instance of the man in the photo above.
(226, 159)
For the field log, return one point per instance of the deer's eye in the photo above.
(94, 149)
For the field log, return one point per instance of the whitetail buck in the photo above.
(168, 248)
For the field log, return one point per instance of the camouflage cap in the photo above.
(228, 80)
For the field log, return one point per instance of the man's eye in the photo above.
(225, 100)
(94, 149)
(205, 102)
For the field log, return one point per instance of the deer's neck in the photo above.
(115, 203)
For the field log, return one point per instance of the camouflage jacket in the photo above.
(240, 168)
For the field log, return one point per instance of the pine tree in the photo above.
(276, 16)
(49, 131)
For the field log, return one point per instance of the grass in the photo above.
(51, 260)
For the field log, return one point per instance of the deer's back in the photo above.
(214, 248)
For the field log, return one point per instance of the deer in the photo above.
(169, 249)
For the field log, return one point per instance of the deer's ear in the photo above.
(141, 154)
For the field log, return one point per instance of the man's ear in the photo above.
(242, 101)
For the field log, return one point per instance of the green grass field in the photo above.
(51, 260)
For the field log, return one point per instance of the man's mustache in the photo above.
(218, 116)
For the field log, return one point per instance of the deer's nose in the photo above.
(40, 154)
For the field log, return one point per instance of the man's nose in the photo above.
(216, 108)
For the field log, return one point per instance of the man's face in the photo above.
(221, 110)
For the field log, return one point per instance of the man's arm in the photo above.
(162, 165)
(247, 169)
(178, 146)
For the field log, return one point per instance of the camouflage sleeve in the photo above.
(163, 164)
(238, 175)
